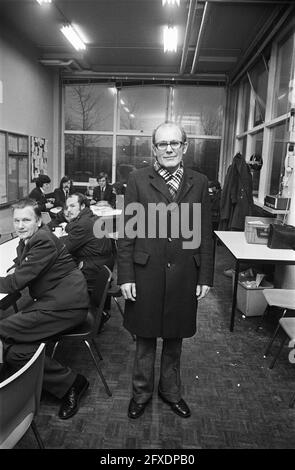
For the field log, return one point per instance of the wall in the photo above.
(28, 91)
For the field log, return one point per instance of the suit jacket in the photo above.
(45, 266)
(84, 246)
(59, 197)
(107, 195)
(38, 195)
(166, 274)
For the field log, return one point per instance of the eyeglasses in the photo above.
(174, 144)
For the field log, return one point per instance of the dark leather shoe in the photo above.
(135, 410)
(71, 400)
(180, 408)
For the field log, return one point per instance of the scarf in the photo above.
(172, 180)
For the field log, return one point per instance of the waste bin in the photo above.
(250, 300)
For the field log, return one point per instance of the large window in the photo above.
(132, 153)
(3, 186)
(14, 159)
(199, 110)
(284, 75)
(110, 130)
(142, 108)
(203, 155)
(279, 139)
(271, 82)
(87, 156)
(89, 108)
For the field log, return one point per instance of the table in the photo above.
(105, 212)
(242, 251)
(7, 255)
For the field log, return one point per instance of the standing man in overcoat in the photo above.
(162, 277)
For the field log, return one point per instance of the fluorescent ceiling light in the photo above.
(42, 2)
(170, 39)
(132, 115)
(171, 2)
(73, 37)
(126, 109)
(122, 102)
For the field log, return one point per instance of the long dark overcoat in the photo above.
(165, 273)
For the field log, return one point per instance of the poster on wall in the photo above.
(39, 156)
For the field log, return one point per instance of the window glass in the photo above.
(12, 178)
(89, 107)
(142, 108)
(256, 150)
(18, 175)
(258, 77)
(199, 109)
(245, 105)
(132, 153)
(87, 156)
(285, 72)
(278, 154)
(203, 155)
(3, 189)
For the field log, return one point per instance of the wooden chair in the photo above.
(87, 331)
(20, 400)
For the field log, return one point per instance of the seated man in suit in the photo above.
(38, 193)
(60, 302)
(62, 193)
(88, 251)
(104, 191)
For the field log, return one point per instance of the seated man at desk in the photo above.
(88, 251)
(60, 302)
(38, 193)
(103, 193)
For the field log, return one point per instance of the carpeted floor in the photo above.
(237, 402)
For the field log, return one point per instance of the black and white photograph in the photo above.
(147, 229)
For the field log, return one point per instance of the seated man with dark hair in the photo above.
(60, 302)
(38, 193)
(88, 250)
(104, 190)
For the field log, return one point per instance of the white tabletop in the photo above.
(238, 246)
(7, 254)
(104, 211)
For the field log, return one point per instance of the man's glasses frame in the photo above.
(174, 144)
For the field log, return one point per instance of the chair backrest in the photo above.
(45, 218)
(20, 399)
(99, 294)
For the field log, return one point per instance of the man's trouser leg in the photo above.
(22, 333)
(170, 383)
(143, 369)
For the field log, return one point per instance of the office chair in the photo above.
(87, 331)
(20, 399)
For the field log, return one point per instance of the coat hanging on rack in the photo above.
(237, 199)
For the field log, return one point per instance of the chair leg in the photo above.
(274, 336)
(98, 368)
(54, 349)
(37, 435)
(263, 317)
(122, 313)
(97, 350)
(292, 401)
(278, 353)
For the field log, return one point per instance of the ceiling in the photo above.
(124, 37)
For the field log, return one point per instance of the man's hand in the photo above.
(202, 291)
(129, 291)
